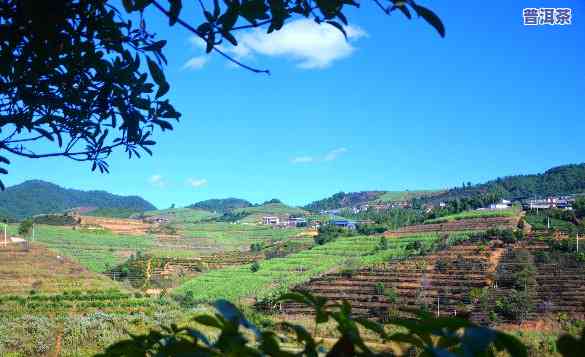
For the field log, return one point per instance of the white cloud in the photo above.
(157, 181)
(334, 154)
(196, 183)
(311, 45)
(329, 156)
(196, 62)
(301, 159)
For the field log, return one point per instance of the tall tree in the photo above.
(70, 70)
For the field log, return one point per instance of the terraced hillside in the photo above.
(485, 281)
(31, 267)
(477, 224)
(446, 277)
(276, 275)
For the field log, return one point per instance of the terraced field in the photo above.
(477, 224)
(512, 212)
(474, 279)
(99, 251)
(25, 268)
(277, 275)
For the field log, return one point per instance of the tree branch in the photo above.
(194, 30)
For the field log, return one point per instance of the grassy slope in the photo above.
(99, 250)
(94, 250)
(278, 274)
(41, 270)
(474, 214)
(539, 222)
(393, 196)
(182, 215)
(277, 209)
(236, 236)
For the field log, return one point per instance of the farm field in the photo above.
(39, 270)
(182, 215)
(475, 214)
(539, 222)
(100, 250)
(273, 209)
(277, 275)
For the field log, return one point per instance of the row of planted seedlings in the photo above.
(384, 256)
(75, 300)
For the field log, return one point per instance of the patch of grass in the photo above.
(182, 215)
(474, 214)
(97, 251)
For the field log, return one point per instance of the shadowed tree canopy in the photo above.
(84, 77)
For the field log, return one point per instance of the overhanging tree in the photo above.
(81, 75)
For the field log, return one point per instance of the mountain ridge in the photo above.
(34, 197)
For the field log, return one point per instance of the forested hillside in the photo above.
(567, 179)
(343, 199)
(221, 205)
(37, 197)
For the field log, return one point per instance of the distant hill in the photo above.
(343, 199)
(38, 197)
(269, 208)
(221, 205)
(567, 179)
(350, 199)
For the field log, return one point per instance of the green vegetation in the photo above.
(474, 214)
(55, 219)
(97, 251)
(395, 196)
(180, 215)
(567, 179)
(255, 213)
(227, 236)
(342, 199)
(221, 205)
(278, 274)
(35, 197)
(542, 219)
(417, 337)
(391, 219)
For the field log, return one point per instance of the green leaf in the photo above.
(128, 6)
(431, 18)
(164, 125)
(372, 326)
(338, 26)
(228, 36)
(156, 73)
(163, 89)
(210, 42)
(176, 6)
(155, 46)
(208, 320)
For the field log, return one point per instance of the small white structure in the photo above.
(270, 220)
(503, 204)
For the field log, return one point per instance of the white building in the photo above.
(270, 220)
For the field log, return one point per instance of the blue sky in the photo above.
(395, 108)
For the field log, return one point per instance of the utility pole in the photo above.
(33, 232)
(438, 306)
(547, 222)
(5, 236)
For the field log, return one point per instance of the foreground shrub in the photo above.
(237, 336)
